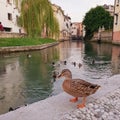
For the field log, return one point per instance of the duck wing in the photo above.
(80, 88)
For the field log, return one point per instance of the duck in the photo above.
(65, 62)
(74, 63)
(93, 61)
(77, 87)
(79, 65)
(29, 55)
(53, 63)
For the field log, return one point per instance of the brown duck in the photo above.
(77, 87)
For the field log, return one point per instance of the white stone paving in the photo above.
(105, 108)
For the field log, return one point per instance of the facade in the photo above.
(64, 22)
(9, 16)
(11, 12)
(77, 30)
(116, 26)
(109, 8)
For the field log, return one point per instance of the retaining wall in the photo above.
(11, 35)
(25, 48)
(106, 36)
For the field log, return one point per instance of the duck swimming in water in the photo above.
(77, 87)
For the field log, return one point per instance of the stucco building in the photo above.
(109, 8)
(77, 30)
(64, 22)
(11, 12)
(9, 15)
(116, 26)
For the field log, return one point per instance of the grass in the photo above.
(7, 42)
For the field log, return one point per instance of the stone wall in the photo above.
(25, 48)
(10, 35)
(106, 36)
(116, 38)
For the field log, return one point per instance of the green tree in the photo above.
(36, 15)
(95, 18)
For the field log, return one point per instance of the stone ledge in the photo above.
(25, 48)
(116, 42)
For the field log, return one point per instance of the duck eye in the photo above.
(62, 74)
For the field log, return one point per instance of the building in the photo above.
(11, 12)
(109, 8)
(64, 22)
(77, 30)
(116, 26)
(9, 16)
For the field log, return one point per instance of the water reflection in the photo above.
(11, 82)
(29, 79)
(97, 60)
(26, 79)
(116, 60)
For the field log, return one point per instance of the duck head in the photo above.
(65, 73)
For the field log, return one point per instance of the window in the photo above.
(9, 16)
(116, 19)
(7, 29)
(9, 1)
(67, 25)
(17, 19)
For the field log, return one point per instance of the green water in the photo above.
(24, 80)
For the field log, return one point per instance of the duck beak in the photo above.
(59, 76)
(99, 87)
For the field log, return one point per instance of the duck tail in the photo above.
(98, 86)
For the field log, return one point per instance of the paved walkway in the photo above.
(103, 105)
(105, 108)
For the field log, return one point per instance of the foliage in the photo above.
(5, 42)
(95, 18)
(36, 15)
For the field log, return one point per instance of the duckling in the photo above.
(77, 87)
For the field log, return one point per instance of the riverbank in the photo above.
(26, 41)
(105, 36)
(8, 45)
(104, 104)
(26, 48)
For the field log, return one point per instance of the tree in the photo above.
(95, 18)
(37, 15)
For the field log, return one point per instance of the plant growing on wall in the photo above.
(36, 16)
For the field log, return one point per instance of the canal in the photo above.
(27, 77)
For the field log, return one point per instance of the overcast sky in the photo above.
(76, 9)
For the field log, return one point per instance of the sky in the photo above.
(76, 9)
